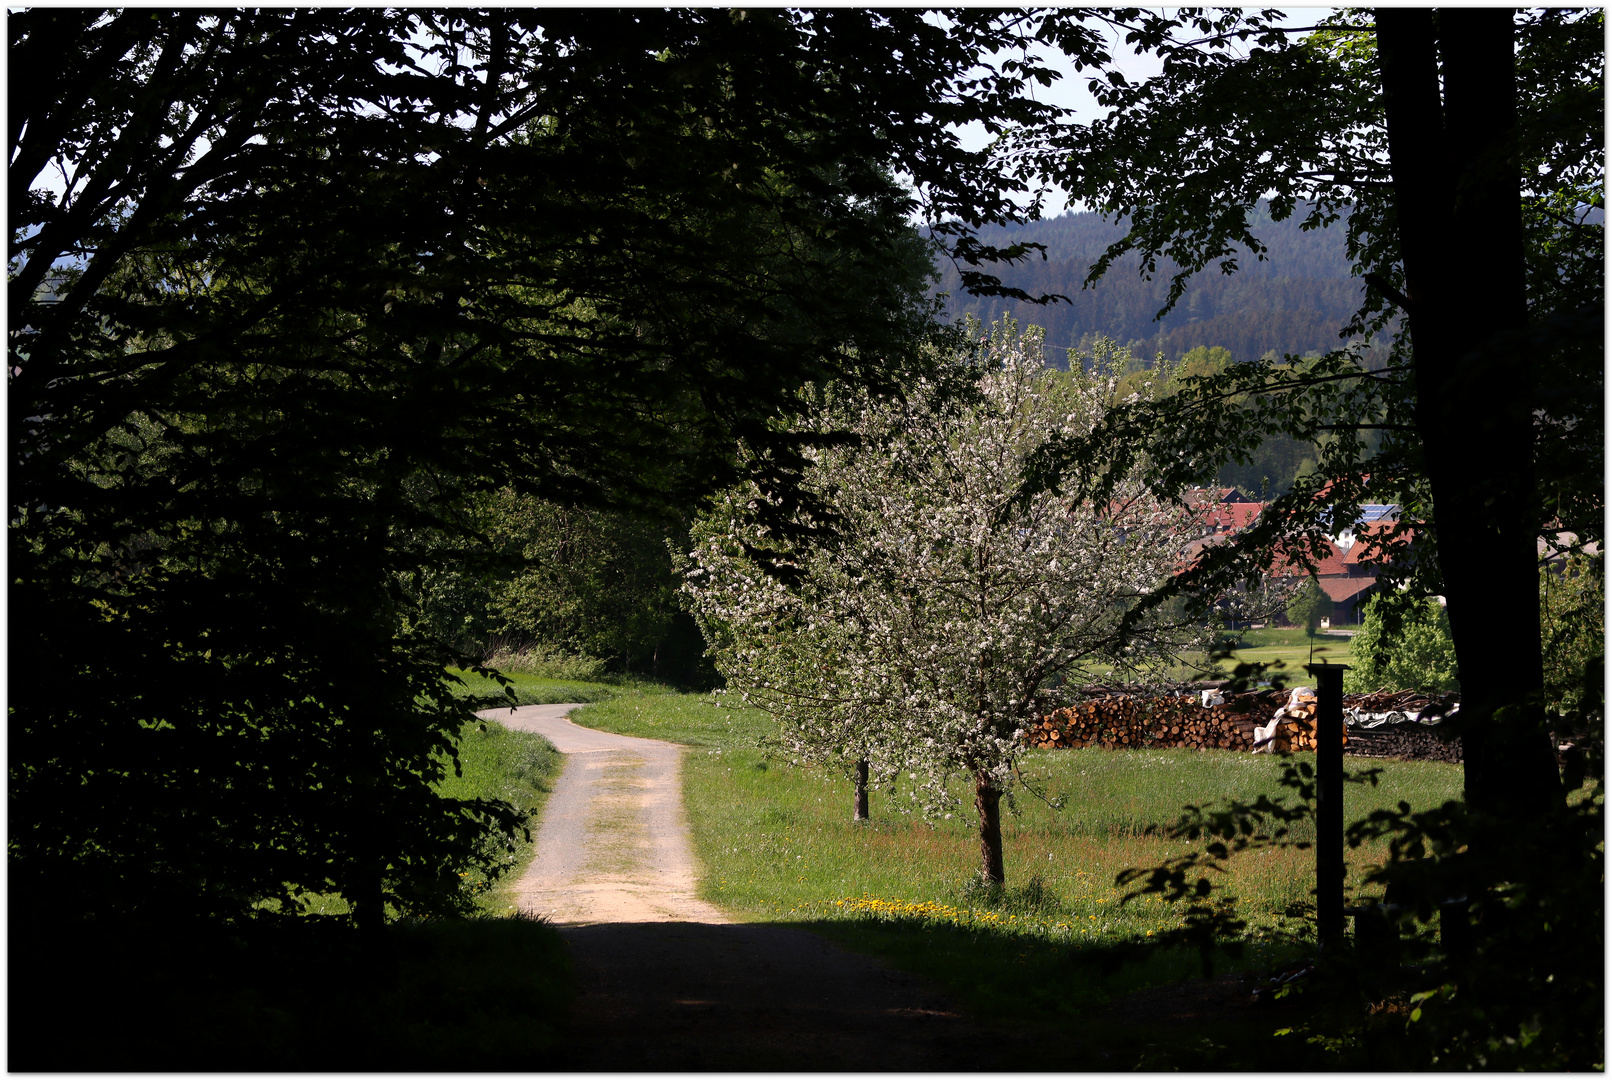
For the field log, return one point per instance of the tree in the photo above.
(318, 278)
(1350, 125)
(594, 582)
(1417, 654)
(1461, 151)
(1309, 607)
(567, 579)
(942, 616)
(1572, 618)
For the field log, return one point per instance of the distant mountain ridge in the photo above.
(1293, 302)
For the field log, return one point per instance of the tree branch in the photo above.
(1399, 299)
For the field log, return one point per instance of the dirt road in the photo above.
(614, 845)
(670, 982)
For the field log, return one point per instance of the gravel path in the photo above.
(614, 845)
(670, 982)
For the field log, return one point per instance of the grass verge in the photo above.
(449, 995)
(778, 845)
(518, 767)
(486, 693)
(459, 995)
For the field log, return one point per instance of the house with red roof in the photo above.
(1221, 513)
(1348, 574)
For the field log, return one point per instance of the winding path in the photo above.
(614, 845)
(670, 982)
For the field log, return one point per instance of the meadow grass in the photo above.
(494, 763)
(1264, 645)
(652, 711)
(1292, 657)
(1292, 647)
(486, 693)
(778, 845)
(456, 995)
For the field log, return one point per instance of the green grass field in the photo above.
(778, 845)
(447, 995)
(529, 689)
(1266, 645)
(1291, 647)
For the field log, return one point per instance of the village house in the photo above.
(1345, 574)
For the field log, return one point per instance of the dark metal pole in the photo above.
(1329, 802)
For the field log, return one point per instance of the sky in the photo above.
(1070, 91)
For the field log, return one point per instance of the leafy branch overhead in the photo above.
(1484, 426)
(295, 288)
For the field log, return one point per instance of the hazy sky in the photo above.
(1070, 91)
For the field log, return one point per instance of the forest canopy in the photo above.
(1294, 302)
(294, 292)
(295, 287)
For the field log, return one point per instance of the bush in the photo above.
(1403, 646)
(1572, 619)
(545, 662)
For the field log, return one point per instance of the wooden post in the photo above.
(1328, 802)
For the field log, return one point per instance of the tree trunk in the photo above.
(368, 902)
(1458, 204)
(365, 890)
(861, 811)
(988, 801)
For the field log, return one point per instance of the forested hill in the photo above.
(1293, 302)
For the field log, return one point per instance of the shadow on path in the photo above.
(666, 981)
(696, 996)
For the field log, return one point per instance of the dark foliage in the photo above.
(1454, 148)
(442, 995)
(1476, 965)
(309, 281)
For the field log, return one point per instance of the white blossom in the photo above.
(942, 620)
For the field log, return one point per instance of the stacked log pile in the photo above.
(1128, 721)
(1294, 730)
(1114, 719)
(1405, 743)
(1384, 724)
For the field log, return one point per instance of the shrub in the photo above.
(1403, 646)
(1573, 627)
(545, 662)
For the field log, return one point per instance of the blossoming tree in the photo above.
(940, 613)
